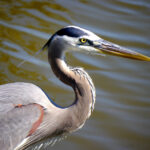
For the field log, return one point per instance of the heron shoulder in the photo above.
(23, 93)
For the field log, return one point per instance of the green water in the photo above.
(121, 119)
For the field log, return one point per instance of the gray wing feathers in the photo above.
(16, 124)
(21, 93)
(21, 105)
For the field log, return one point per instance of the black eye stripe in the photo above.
(90, 42)
(71, 31)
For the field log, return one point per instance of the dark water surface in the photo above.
(121, 119)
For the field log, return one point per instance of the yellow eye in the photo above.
(83, 40)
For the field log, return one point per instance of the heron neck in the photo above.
(60, 68)
(80, 110)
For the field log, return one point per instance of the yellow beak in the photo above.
(106, 47)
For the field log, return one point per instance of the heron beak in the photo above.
(106, 47)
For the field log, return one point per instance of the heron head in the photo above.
(73, 38)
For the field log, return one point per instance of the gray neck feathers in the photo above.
(78, 79)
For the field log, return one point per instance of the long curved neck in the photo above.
(60, 68)
(77, 79)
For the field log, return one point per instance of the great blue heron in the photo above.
(27, 115)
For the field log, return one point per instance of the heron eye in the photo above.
(83, 40)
